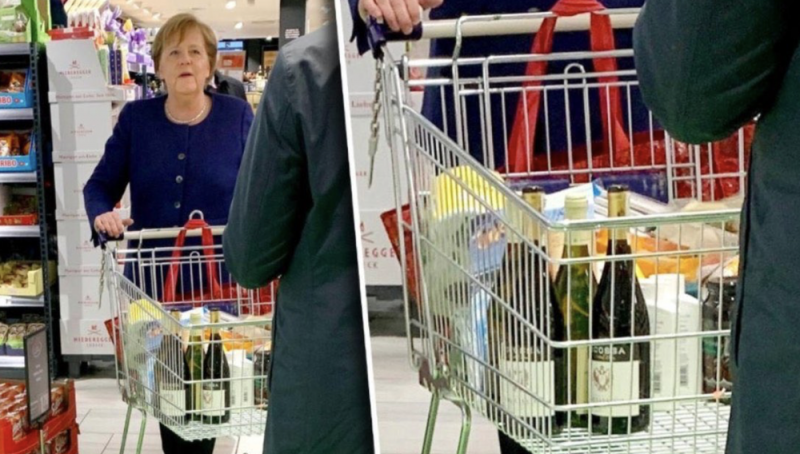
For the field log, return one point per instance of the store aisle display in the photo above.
(82, 108)
(61, 429)
(25, 217)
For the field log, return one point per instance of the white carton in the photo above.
(80, 298)
(85, 337)
(676, 372)
(79, 129)
(381, 266)
(77, 255)
(70, 179)
(73, 66)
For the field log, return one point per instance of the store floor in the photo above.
(402, 412)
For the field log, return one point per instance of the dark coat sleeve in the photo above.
(270, 199)
(111, 176)
(707, 67)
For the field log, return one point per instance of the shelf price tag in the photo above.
(37, 377)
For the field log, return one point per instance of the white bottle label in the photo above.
(173, 402)
(614, 381)
(535, 377)
(214, 402)
(582, 378)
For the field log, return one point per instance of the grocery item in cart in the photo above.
(194, 357)
(676, 362)
(717, 312)
(261, 368)
(574, 285)
(620, 371)
(525, 286)
(242, 384)
(172, 372)
(216, 379)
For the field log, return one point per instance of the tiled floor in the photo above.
(402, 412)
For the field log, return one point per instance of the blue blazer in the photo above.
(515, 44)
(172, 169)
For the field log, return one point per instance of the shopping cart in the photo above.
(453, 241)
(165, 366)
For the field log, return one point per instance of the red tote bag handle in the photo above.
(171, 282)
(523, 134)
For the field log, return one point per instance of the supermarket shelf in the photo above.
(23, 177)
(15, 49)
(18, 301)
(12, 362)
(24, 231)
(16, 114)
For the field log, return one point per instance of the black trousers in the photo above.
(508, 445)
(173, 444)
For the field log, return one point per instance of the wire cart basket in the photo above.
(534, 374)
(205, 380)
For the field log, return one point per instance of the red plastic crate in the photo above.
(55, 425)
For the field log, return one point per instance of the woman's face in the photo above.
(184, 65)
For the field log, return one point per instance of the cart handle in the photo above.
(492, 25)
(156, 234)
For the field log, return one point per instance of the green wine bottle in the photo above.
(620, 372)
(525, 286)
(575, 285)
(172, 372)
(217, 379)
(194, 357)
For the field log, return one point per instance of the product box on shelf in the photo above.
(73, 66)
(15, 90)
(70, 179)
(80, 130)
(26, 279)
(80, 298)
(60, 429)
(18, 206)
(19, 163)
(85, 337)
(77, 255)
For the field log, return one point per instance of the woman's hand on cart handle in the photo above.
(399, 15)
(110, 224)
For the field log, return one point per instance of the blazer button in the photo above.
(179, 179)
(181, 156)
(177, 205)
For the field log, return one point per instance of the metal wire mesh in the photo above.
(202, 380)
(497, 323)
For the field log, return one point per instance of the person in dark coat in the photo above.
(706, 68)
(292, 216)
(179, 153)
(226, 85)
(499, 45)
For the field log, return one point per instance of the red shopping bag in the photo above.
(642, 149)
(390, 223)
(259, 301)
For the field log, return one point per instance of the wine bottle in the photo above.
(217, 379)
(575, 285)
(525, 286)
(194, 358)
(172, 372)
(620, 372)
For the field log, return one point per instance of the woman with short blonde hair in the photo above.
(179, 153)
